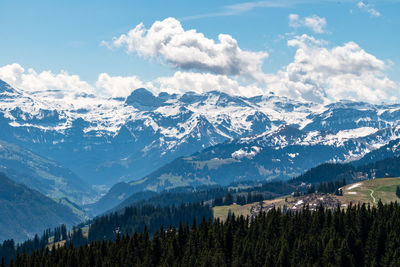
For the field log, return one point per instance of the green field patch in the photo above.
(141, 181)
(221, 212)
(212, 163)
(383, 189)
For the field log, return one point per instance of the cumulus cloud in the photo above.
(182, 82)
(319, 71)
(30, 80)
(191, 50)
(315, 23)
(106, 85)
(323, 74)
(368, 8)
(120, 86)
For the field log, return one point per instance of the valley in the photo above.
(135, 217)
(199, 133)
(25, 212)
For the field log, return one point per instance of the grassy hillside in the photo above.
(368, 191)
(221, 212)
(371, 191)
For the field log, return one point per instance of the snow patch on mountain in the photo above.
(356, 133)
(241, 153)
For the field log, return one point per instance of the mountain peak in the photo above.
(5, 87)
(350, 104)
(289, 130)
(139, 93)
(142, 98)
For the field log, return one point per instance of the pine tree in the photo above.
(398, 191)
(283, 257)
(228, 200)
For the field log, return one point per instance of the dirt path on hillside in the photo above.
(373, 198)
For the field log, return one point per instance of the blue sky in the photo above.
(76, 38)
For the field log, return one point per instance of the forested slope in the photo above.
(25, 212)
(358, 236)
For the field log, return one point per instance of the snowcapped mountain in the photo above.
(106, 141)
(281, 154)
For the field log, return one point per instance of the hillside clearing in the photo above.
(371, 191)
(368, 192)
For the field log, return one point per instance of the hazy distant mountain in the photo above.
(43, 175)
(25, 212)
(392, 149)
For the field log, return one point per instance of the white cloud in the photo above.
(374, 12)
(319, 72)
(294, 20)
(361, 5)
(323, 74)
(119, 86)
(182, 82)
(349, 58)
(191, 50)
(71, 86)
(30, 80)
(315, 23)
(368, 8)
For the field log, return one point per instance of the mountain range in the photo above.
(157, 142)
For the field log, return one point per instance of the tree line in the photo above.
(132, 219)
(239, 198)
(328, 187)
(137, 218)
